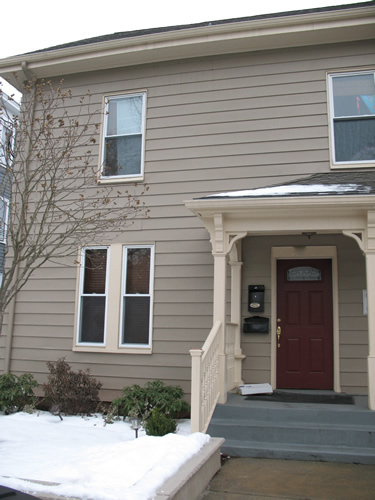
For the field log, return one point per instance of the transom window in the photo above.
(352, 109)
(123, 141)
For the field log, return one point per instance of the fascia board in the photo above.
(259, 34)
(242, 206)
(286, 216)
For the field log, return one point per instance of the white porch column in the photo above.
(235, 317)
(370, 273)
(219, 315)
(369, 251)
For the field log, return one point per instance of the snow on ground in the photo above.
(88, 459)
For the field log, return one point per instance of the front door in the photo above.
(304, 324)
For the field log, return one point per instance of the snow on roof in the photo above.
(296, 189)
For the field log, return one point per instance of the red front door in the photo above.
(305, 324)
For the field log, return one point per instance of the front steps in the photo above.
(296, 431)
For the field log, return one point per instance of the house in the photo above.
(10, 109)
(255, 137)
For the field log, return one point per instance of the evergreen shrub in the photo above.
(16, 392)
(139, 401)
(160, 424)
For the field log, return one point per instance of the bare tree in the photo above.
(50, 200)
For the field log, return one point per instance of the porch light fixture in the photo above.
(135, 425)
(309, 233)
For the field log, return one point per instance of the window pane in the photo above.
(123, 155)
(354, 95)
(95, 271)
(137, 320)
(138, 271)
(304, 273)
(355, 140)
(125, 116)
(92, 319)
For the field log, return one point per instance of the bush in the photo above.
(160, 424)
(16, 392)
(139, 401)
(74, 393)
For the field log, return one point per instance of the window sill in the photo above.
(119, 350)
(120, 180)
(339, 166)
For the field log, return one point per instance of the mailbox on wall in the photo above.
(256, 298)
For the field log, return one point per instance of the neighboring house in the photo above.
(212, 116)
(10, 109)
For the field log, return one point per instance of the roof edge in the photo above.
(296, 28)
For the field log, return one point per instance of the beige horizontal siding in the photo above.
(212, 124)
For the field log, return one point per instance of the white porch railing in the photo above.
(205, 390)
(204, 381)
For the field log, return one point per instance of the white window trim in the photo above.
(150, 294)
(81, 294)
(113, 304)
(5, 220)
(331, 118)
(116, 179)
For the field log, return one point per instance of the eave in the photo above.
(296, 30)
(286, 214)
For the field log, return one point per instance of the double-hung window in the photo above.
(115, 299)
(352, 114)
(93, 296)
(136, 307)
(123, 137)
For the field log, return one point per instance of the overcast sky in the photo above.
(37, 24)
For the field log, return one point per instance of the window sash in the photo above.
(92, 310)
(352, 110)
(137, 296)
(123, 137)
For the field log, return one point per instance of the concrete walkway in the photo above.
(262, 479)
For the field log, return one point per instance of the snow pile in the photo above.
(87, 459)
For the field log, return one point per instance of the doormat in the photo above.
(301, 397)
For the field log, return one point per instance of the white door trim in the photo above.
(306, 252)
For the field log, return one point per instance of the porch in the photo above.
(296, 431)
(335, 210)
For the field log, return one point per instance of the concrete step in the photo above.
(286, 451)
(333, 433)
(292, 412)
(304, 433)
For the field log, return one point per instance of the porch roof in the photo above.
(327, 184)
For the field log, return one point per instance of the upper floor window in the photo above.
(352, 110)
(123, 137)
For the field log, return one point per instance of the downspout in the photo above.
(12, 305)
